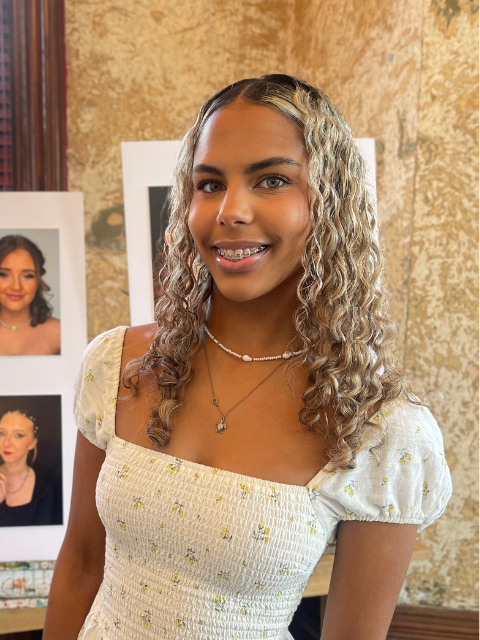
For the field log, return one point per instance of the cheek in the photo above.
(31, 288)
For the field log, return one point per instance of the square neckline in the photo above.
(114, 436)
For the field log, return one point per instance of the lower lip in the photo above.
(7, 453)
(240, 266)
(15, 298)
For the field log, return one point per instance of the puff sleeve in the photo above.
(409, 484)
(96, 387)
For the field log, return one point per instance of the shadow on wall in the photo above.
(107, 231)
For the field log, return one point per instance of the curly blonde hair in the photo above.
(342, 321)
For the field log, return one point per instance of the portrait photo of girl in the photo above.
(30, 461)
(29, 311)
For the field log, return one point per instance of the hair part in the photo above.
(342, 319)
(40, 308)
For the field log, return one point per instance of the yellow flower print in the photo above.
(223, 574)
(178, 508)
(115, 549)
(123, 472)
(359, 446)
(419, 428)
(384, 482)
(214, 471)
(219, 499)
(143, 586)
(122, 524)
(129, 558)
(110, 590)
(159, 493)
(334, 519)
(195, 477)
(117, 623)
(159, 590)
(244, 563)
(146, 618)
(265, 634)
(174, 467)
(261, 533)
(175, 580)
(190, 556)
(152, 460)
(284, 570)
(180, 624)
(244, 610)
(313, 493)
(279, 593)
(226, 535)
(196, 587)
(137, 502)
(425, 490)
(387, 508)
(122, 591)
(162, 526)
(404, 456)
(208, 550)
(259, 586)
(313, 523)
(199, 518)
(349, 488)
(219, 602)
(273, 495)
(99, 420)
(89, 377)
(245, 490)
(153, 546)
(106, 362)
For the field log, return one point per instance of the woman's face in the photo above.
(16, 437)
(250, 191)
(18, 280)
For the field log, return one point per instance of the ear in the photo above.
(33, 444)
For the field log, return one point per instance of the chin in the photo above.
(242, 293)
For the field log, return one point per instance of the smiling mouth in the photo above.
(240, 254)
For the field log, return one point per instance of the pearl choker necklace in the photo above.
(286, 355)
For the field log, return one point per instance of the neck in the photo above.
(261, 327)
(14, 318)
(18, 468)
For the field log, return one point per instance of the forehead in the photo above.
(244, 132)
(18, 259)
(15, 421)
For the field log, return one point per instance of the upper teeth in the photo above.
(239, 254)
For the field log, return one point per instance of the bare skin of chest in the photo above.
(40, 340)
(263, 439)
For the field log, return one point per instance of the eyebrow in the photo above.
(251, 168)
(23, 270)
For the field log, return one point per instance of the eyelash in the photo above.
(5, 274)
(200, 186)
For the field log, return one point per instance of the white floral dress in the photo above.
(201, 553)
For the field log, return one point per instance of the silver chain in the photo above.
(22, 485)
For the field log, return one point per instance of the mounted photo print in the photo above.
(30, 461)
(147, 178)
(43, 335)
(30, 311)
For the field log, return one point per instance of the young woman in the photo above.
(26, 324)
(26, 499)
(262, 415)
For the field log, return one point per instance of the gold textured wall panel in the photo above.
(404, 73)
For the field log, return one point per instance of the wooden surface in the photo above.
(15, 620)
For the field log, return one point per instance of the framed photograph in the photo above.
(38, 388)
(30, 312)
(30, 461)
(147, 178)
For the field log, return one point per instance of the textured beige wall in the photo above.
(405, 73)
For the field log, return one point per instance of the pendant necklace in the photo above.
(221, 424)
(15, 326)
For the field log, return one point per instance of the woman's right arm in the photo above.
(79, 568)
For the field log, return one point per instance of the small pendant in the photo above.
(221, 426)
(13, 328)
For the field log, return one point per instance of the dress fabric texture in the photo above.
(201, 553)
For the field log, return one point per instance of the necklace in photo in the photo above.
(221, 425)
(22, 485)
(15, 327)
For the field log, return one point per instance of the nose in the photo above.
(16, 283)
(235, 207)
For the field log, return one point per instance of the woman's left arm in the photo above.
(370, 565)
